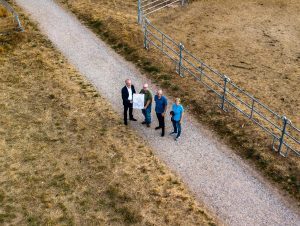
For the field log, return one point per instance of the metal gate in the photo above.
(147, 7)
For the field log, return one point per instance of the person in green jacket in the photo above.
(147, 104)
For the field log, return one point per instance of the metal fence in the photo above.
(15, 15)
(285, 136)
(147, 7)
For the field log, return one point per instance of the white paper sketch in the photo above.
(138, 101)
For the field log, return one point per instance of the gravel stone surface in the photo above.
(217, 177)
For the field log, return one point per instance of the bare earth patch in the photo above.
(64, 155)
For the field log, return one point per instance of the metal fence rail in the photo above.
(146, 7)
(14, 13)
(285, 136)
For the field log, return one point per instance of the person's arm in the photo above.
(181, 116)
(149, 101)
(172, 115)
(123, 94)
(165, 108)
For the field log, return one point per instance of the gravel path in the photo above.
(217, 177)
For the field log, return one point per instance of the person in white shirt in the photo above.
(127, 95)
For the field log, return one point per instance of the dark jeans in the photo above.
(147, 113)
(161, 121)
(177, 127)
(126, 107)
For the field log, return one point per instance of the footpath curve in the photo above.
(217, 177)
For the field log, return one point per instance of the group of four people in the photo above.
(161, 104)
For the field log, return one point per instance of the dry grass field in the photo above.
(7, 21)
(66, 158)
(255, 53)
(255, 43)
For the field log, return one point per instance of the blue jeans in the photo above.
(177, 127)
(147, 113)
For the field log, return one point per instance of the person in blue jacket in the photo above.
(161, 104)
(177, 115)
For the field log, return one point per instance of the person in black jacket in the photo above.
(127, 95)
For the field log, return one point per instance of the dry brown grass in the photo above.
(256, 43)
(64, 155)
(3, 12)
(7, 21)
(115, 22)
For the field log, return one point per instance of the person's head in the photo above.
(145, 87)
(128, 83)
(177, 101)
(159, 93)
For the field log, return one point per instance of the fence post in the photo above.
(285, 122)
(226, 80)
(162, 42)
(252, 108)
(146, 34)
(201, 70)
(139, 12)
(19, 23)
(181, 47)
